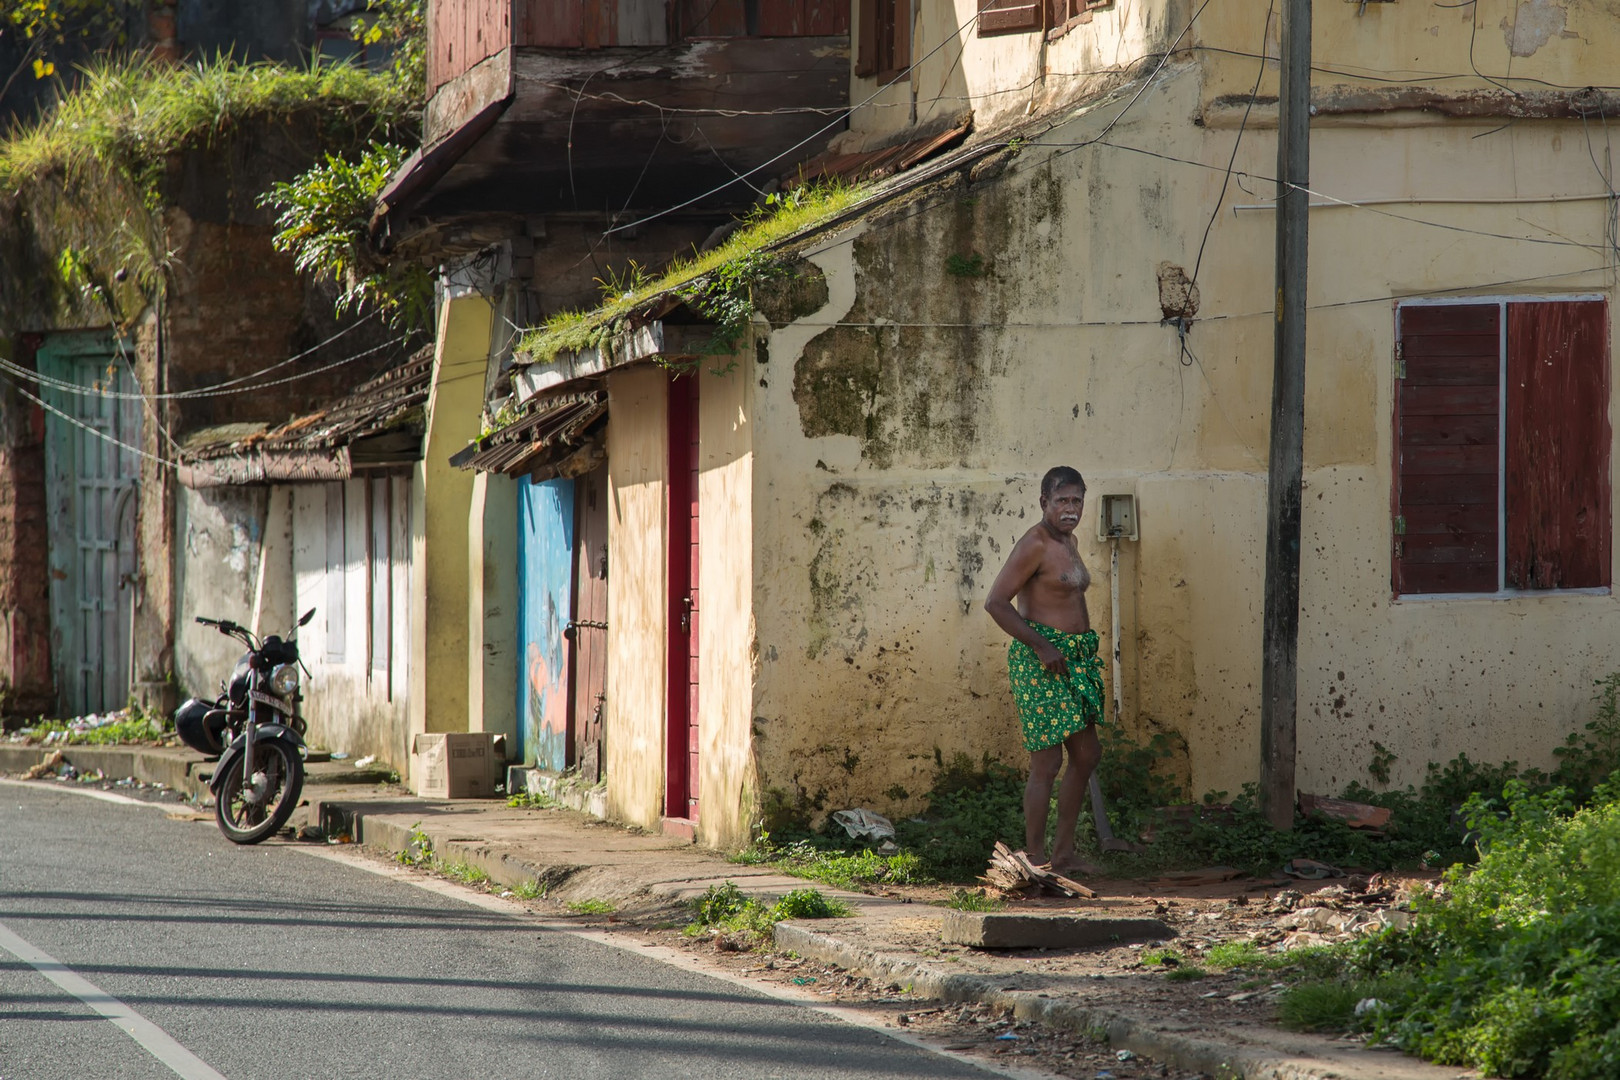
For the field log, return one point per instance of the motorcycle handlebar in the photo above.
(225, 626)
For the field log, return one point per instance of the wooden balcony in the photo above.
(548, 106)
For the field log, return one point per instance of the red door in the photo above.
(681, 796)
(588, 657)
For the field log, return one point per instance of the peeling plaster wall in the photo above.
(637, 603)
(900, 431)
(225, 534)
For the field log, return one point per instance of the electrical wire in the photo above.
(844, 115)
(1333, 198)
(76, 422)
(1226, 179)
(1165, 59)
(46, 381)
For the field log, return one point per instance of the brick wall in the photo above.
(25, 608)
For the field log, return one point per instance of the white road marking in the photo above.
(152, 1038)
(664, 954)
(89, 793)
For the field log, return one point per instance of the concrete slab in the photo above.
(993, 930)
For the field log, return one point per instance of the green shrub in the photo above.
(1515, 968)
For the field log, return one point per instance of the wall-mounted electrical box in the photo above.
(1116, 518)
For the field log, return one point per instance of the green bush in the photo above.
(1515, 968)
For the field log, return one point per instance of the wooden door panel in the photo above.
(588, 680)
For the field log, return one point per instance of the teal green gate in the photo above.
(92, 477)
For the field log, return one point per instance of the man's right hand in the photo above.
(1050, 658)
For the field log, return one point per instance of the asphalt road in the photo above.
(266, 962)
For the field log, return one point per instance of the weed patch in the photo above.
(591, 906)
(972, 900)
(725, 908)
(533, 800)
(132, 726)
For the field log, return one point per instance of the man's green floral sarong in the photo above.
(1053, 707)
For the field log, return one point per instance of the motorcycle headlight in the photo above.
(284, 680)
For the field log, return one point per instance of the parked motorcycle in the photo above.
(257, 730)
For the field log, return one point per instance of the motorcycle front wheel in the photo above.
(253, 803)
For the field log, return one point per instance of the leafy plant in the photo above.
(418, 851)
(970, 807)
(529, 890)
(466, 873)
(46, 30)
(401, 26)
(322, 221)
(821, 859)
(726, 908)
(1162, 957)
(1382, 759)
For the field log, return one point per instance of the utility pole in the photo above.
(1279, 672)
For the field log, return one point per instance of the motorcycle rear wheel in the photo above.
(249, 812)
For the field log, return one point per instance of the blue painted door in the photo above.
(545, 592)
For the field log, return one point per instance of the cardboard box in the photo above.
(458, 764)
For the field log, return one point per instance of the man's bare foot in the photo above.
(1036, 858)
(1073, 864)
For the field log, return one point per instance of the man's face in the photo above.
(1063, 507)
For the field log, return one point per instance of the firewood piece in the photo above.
(1354, 814)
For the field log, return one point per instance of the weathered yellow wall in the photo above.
(637, 620)
(726, 606)
(492, 578)
(1529, 45)
(897, 453)
(438, 698)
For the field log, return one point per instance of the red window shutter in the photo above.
(1557, 452)
(1011, 16)
(899, 27)
(866, 54)
(1446, 446)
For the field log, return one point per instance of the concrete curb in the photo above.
(182, 770)
(1223, 1061)
(390, 832)
(152, 765)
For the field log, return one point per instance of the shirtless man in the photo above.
(1052, 662)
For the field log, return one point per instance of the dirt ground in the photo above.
(1128, 979)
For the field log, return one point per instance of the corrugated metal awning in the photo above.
(377, 425)
(553, 430)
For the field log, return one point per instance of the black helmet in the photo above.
(200, 724)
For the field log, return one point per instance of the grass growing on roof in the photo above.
(718, 282)
(82, 189)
